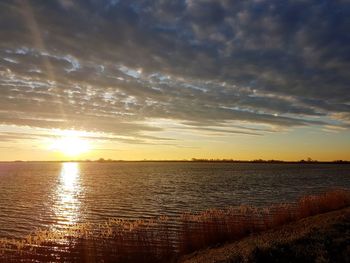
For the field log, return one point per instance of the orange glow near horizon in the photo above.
(67, 145)
(70, 143)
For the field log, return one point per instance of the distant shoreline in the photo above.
(189, 161)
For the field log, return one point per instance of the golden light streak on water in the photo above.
(67, 208)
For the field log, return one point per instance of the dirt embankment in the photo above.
(320, 238)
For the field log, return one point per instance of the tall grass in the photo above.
(162, 239)
(217, 226)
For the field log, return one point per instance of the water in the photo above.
(57, 195)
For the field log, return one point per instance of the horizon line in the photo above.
(102, 160)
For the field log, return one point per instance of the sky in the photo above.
(184, 79)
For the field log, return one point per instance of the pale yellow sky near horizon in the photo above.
(292, 144)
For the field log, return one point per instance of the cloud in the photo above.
(110, 65)
(52, 134)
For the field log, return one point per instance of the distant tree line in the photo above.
(303, 161)
(308, 160)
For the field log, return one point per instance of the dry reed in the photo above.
(162, 239)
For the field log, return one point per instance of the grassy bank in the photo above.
(320, 238)
(163, 239)
(218, 226)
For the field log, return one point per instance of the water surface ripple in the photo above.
(56, 195)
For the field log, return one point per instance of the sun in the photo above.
(70, 143)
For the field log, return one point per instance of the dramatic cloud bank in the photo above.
(212, 65)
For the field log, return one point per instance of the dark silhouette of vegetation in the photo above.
(204, 160)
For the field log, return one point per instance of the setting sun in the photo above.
(70, 143)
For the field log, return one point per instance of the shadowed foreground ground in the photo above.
(320, 238)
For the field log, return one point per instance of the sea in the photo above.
(55, 195)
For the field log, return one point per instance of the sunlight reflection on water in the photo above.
(67, 207)
(57, 196)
